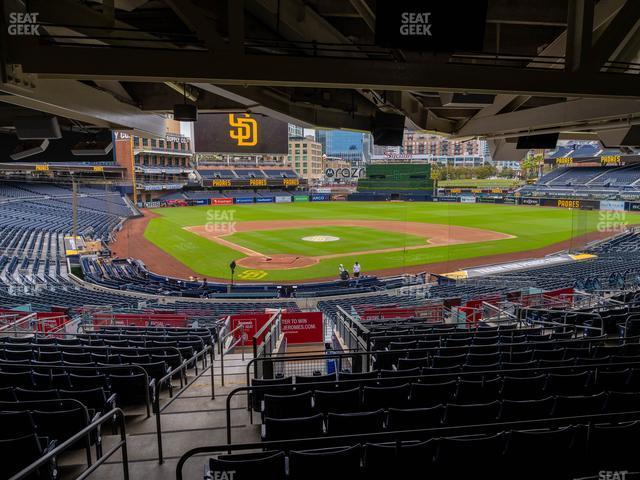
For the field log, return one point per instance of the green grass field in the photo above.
(352, 239)
(533, 227)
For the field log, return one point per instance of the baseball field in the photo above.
(307, 241)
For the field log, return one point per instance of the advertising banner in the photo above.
(634, 207)
(509, 200)
(243, 199)
(529, 201)
(265, 199)
(251, 323)
(303, 327)
(202, 201)
(467, 199)
(283, 199)
(301, 198)
(569, 203)
(446, 198)
(613, 205)
(320, 197)
(222, 201)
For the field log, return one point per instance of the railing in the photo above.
(265, 340)
(221, 347)
(401, 435)
(181, 369)
(354, 334)
(115, 413)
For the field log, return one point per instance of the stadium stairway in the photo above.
(192, 420)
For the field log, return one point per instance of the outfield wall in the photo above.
(569, 203)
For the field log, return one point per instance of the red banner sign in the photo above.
(222, 201)
(303, 327)
(251, 323)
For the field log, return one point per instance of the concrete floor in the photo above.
(192, 420)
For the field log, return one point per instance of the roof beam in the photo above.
(72, 99)
(558, 116)
(198, 20)
(579, 34)
(193, 66)
(616, 35)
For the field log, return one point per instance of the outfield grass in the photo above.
(352, 239)
(533, 227)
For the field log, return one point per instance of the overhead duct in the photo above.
(388, 129)
(506, 151)
(28, 149)
(92, 148)
(529, 142)
(621, 137)
(37, 128)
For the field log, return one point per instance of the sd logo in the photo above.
(244, 131)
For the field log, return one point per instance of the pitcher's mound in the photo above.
(276, 262)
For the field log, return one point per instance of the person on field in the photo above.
(356, 270)
(342, 272)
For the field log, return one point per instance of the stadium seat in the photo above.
(339, 401)
(288, 406)
(472, 414)
(415, 418)
(312, 464)
(291, 428)
(375, 398)
(247, 466)
(339, 424)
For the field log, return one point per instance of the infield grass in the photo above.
(532, 227)
(351, 239)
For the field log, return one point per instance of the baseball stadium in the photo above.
(252, 239)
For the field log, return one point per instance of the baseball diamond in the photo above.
(386, 238)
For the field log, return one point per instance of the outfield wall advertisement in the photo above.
(612, 205)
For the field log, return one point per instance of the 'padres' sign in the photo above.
(244, 130)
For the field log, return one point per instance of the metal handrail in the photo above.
(121, 445)
(231, 347)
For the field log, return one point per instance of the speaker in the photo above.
(37, 128)
(546, 140)
(98, 144)
(28, 149)
(388, 129)
(619, 137)
(185, 112)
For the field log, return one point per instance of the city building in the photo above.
(295, 131)
(354, 147)
(305, 158)
(506, 164)
(157, 165)
(429, 148)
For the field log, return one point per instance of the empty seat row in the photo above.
(568, 452)
(429, 391)
(451, 415)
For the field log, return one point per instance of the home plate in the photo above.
(321, 238)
